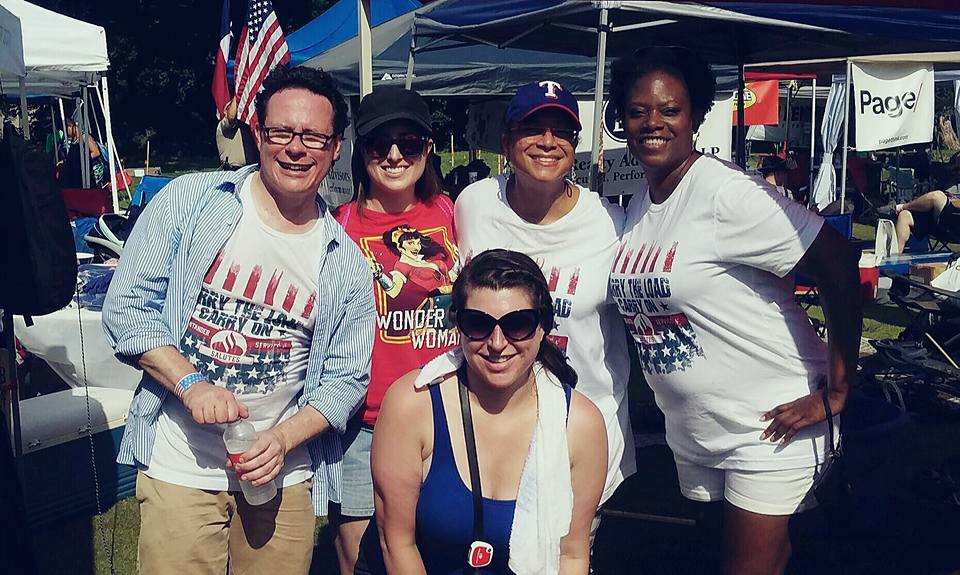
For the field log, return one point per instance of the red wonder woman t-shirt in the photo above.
(412, 256)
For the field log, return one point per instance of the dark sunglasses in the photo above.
(409, 145)
(517, 325)
(523, 132)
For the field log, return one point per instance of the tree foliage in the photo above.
(161, 66)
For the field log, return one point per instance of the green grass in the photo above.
(879, 321)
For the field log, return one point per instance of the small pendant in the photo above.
(480, 555)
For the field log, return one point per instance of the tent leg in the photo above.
(82, 130)
(24, 114)
(846, 141)
(111, 147)
(408, 82)
(596, 184)
(741, 119)
(56, 142)
(813, 137)
(63, 117)
(366, 47)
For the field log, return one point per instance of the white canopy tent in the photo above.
(11, 45)
(12, 68)
(64, 56)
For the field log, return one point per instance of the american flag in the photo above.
(262, 48)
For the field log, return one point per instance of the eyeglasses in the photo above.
(517, 325)
(408, 144)
(310, 140)
(538, 131)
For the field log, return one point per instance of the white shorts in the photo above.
(779, 492)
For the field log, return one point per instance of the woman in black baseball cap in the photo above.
(404, 226)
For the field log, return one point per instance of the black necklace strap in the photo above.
(471, 454)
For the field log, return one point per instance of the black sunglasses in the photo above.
(531, 131)
(517, 325)
(408, 144)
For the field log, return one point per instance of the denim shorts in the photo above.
(356, 493)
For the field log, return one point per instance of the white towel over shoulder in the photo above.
(545, 498)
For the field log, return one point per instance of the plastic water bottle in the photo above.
(238, 438)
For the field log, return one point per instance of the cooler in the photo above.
(58, 476)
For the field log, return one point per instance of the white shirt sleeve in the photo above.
(755, 225)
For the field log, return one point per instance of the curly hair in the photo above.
(683, 63)
(316, 81)
(500, 269)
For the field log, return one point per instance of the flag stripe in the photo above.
(248, 98)
(262, 47)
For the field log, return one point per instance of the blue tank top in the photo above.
(445, 509)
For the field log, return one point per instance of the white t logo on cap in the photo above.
(551, 87)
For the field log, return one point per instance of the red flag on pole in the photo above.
(221, 89)
(761, 104)
(262, 48)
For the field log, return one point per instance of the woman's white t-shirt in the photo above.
(704, 283)
(575, 253)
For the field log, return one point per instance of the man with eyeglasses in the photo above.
(240, 297)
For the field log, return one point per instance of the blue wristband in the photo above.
(187, 381)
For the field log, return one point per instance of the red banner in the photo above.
(761, 104)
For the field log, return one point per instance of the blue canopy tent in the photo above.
(338, 25)
(759, 34)
(330, 42)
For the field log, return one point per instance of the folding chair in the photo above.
(901, 184)
(87, 202)
(147, 188)
(931, 340)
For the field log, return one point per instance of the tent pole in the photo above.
(846, 140)
(24, 114)
(111, 148)
(408, 83)
(366, 48)
(56, 143)
(741, 119)
(596, 184)
(63, 117)
(82, 133)
(786, 136)
(813, 137)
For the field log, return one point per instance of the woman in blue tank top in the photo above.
(425, 515)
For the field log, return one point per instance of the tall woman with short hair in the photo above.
(704, 281)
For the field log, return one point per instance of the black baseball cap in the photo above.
(389, 103)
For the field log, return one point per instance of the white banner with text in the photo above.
(893, 104)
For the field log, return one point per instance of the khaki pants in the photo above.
(191, 531)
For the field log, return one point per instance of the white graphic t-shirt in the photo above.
(575, 254)
(250, 333)
(704, 283)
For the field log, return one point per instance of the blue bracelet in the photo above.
(187, 381)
